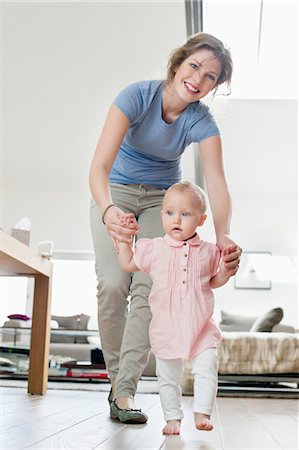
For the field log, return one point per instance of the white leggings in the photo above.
(169, 373)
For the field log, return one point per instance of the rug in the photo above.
(145, 386)
(150, 386)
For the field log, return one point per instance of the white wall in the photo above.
(260, 152)
(260, 142)
(62, 65)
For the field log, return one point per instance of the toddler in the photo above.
(184, 270)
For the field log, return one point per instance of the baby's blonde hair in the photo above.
(187, 186)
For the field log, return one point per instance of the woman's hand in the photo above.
(120, 226)
(230, 254)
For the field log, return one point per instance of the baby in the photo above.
(184, 270)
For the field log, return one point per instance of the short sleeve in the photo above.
(205, 126)
(143, 254)
(215, 259)
(129, 101)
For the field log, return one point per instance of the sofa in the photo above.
(254, 348)
(80, 338)
(73, 345)
(250, 345)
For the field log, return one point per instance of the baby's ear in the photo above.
(202, 220)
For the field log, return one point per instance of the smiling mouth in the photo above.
(190, 88)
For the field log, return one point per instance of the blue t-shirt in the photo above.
(151, 150)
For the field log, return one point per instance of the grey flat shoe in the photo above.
(133, 416)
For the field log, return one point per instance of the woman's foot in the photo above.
(125, 403)
(127, 414)
(202, 422)
(172, 427)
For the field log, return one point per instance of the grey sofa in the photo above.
(254, 350)
(71, 336)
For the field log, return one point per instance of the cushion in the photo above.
(64, 323)
(266, 322)
(281, 328)
(92, 324)
(234, 322)
(82, 325)
(17, 323)
(54, 324)
(69, 322)
(18, 317)
(77, 322)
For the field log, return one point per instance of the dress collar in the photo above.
(195, 240)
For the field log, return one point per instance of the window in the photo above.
(73, 289)
(13, 294)
(74, 285)
(263, 39)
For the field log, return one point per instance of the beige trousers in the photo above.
(124, 326)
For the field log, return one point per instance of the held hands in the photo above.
(230, 255)
(120, 226)
(128, 219)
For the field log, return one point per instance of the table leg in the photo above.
(40, 336)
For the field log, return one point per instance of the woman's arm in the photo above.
(114, 130)
(219, 199)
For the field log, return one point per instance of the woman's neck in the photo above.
(172, 105)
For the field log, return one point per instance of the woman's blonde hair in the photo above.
(197, 42)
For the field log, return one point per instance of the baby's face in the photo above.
(181, 214)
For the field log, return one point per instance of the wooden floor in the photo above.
(65, 419)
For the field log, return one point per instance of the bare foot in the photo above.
(125, 403)
(172, 427)
(202, 422)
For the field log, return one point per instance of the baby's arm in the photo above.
(221, 277)
(125, 257)
(125, 253)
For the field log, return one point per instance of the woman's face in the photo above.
(197, 76)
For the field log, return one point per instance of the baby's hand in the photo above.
(127, 219)
(226, 271)
(230, 256)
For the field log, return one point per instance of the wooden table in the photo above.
(17, 259)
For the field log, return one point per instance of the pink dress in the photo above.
(181, 299)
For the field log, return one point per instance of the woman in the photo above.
(137, 158)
